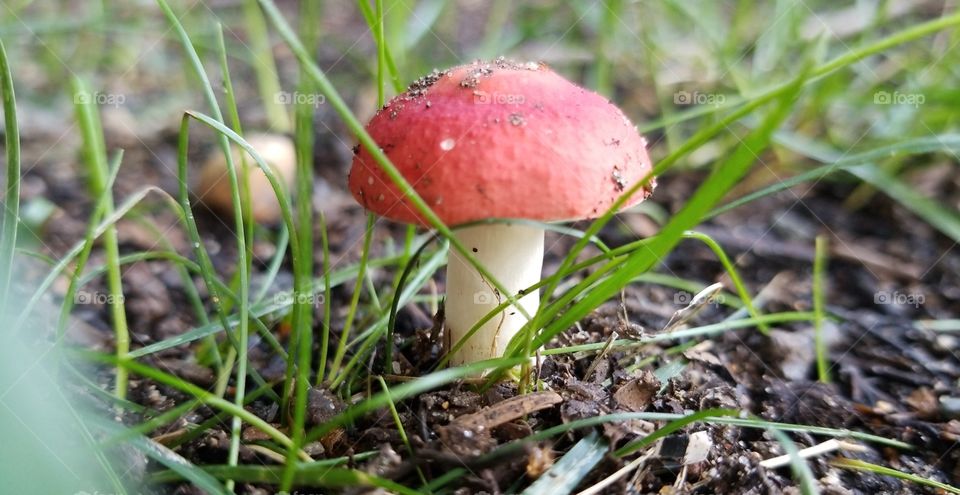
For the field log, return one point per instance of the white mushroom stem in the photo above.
(513, 255)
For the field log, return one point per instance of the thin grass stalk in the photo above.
(731, 272)
(303, 308)
(671, 427)
(95, 158)
(11, 199)
(606, 35)
(233, 454)
(370, 17)
(265, 67)
(861, 465)
(400, 429)
(245, 198)
(819, 273)
(395, 306)
(327, 303)
(799, 467)
(69, 298)
(335, 372)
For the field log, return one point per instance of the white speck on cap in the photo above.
(370, 180)
(447, 144)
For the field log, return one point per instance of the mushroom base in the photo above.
(513, 254)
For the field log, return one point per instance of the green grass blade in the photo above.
(188, 471)
(395, 306)
(239, 226)
(223, 141)
(612, 11)
(95, 156)
(801, 470)
(564, 476)
(696, 141)
(819, 272)
(265, 67)
(129, 203)
(387, 51)
(731, 271)
(721, 419)
(302, 335)
(399, 423)
(241, 275)
(858, 465)
(317, 474)
(378, 33)
(11, 199)
(265, 474)
(276, 263)
(306, 472)
(671, 427)
(335, 372)
(76, 281)
(614, 256)
(327, 303)
(702, 331)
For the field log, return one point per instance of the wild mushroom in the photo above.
(213, 188)
(499, 140)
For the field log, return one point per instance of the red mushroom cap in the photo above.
(501, 140)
